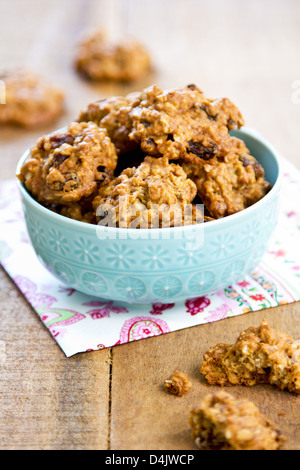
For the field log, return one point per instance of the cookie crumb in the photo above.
(178, 383)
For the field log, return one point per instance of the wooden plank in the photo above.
(47, 401)
(144, 416)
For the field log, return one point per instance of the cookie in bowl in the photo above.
(66, 166)
(155, 194)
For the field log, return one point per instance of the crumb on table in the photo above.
(178, 383)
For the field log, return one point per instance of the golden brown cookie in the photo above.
(222, 422)
(230, 182)
(101, 59)
(155, 194)
(113, 114)
(65, 166)
(29, 100)
(182, 122)
(184, 125)
(259, 355)
(81, 210)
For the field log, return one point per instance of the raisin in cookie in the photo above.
(230, 182)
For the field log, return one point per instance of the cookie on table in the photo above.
(125, 60)
(260, 355)
(155, 194)
(66, 166)
(222, 422)
(30, 101)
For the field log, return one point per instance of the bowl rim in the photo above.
(84, 226)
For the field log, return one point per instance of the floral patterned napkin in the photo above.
(81, 323)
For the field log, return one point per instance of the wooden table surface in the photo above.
(113, 398)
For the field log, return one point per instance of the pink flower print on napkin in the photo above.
(55, 332)
(103, 309)
(39, 301)
(278, 253)
(56, 318)
(142, 327)
(219, 313)
(197, 304)
(243, 283)
(158, 308)
(68, 290)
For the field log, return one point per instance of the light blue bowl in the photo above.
(157, 265)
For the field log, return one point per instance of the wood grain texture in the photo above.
(46, 400)
(145, 416)
(248, 51)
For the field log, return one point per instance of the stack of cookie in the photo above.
(160, 151)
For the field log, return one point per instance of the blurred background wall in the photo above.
(246, 50)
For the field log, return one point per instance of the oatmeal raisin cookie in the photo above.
(113, 114)
(259, 355)
(100, 59)
(182, 122)
(81, 210)
(184, 125)
(222, 422)
(65, 166)
(29, 100)
(156, 193)
(229, 183)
